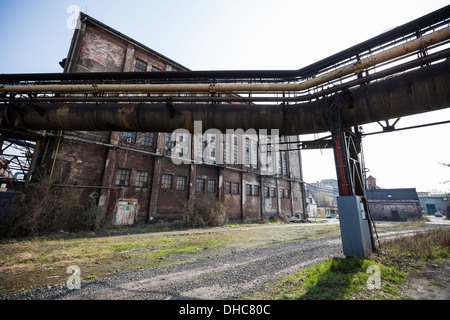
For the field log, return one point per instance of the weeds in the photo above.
(47, 209)
(205, 211)
(346, 278)
(434, 244)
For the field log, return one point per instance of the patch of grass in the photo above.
(336, 279)
(435, 283)
(30, 263)
(346, 278)
(426, 246)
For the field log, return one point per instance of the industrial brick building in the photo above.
(134, 174)
(394, 204)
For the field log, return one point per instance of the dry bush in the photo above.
(47, 209)
(205, 211)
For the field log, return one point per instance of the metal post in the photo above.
(356, 229)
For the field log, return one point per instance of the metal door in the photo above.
(125, 212)
(431, 209)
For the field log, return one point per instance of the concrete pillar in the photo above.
(128, 65)
(156, 181)
(108, 173)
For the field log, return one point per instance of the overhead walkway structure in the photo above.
(401, 72)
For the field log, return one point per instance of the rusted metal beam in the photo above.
(421, 90)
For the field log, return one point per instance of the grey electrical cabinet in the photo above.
(354, 223)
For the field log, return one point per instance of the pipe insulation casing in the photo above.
(421, 90)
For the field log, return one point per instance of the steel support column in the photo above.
(355, 219)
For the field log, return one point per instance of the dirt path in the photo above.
(221, 273)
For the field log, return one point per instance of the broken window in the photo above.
(141, 179)
(201, 147)
(247, 152)
(211, 151)
(166, 181)
(183, 146)
(140, 66)
(123, 177)
(170, 144)
(129, 137)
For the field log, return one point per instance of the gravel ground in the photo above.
(218, 274)
(222, 276)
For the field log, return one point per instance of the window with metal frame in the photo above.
(235, 150)
(255, 154)
(200, 185)
(181, 183)
(256, 191)
(147, 139)
(129, 137)
(248, 189)
(247, 152)
(123, 177)
(266, 192)
(211, 186)
(141, 179)
(140, 66)
(227, 188)
(166, 181)
(227, 155)
(285, 164)
(235, 188)
(272, 192)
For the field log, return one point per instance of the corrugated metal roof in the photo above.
(404, 194)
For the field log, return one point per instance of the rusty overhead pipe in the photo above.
(421, 90)
(414, 45)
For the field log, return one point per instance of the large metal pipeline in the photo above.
(421, 90)
(418, 44)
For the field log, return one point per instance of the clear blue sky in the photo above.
(245, 34)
